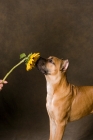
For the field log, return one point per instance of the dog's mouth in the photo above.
(41, 65)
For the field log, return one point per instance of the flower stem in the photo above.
(13, 68)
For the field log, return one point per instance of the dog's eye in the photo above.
(50, 60)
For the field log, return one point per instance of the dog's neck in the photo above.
(54, 82)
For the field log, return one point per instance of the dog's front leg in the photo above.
(60, 127)
(52, 129)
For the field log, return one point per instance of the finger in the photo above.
(1, 85)
(1, 81)
(5, 82)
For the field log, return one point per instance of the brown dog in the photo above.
(65, 102)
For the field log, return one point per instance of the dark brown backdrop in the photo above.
(63, 28)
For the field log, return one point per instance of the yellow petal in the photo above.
(31, 63)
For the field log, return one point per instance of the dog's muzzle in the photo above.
(41, 65)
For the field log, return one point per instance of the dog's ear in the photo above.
(64, 65)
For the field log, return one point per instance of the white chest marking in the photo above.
(49, 103)
(49, 89)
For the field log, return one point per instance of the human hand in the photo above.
(2, 83)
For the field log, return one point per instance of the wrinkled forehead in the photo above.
(54, 58)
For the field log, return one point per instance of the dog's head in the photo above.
(52, 65)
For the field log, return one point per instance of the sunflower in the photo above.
(32, 60)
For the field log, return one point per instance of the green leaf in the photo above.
(22, 55)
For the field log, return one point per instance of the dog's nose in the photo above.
(41, 61)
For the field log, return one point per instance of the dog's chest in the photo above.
(49, 104)
(50, 89)
(50, 100)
